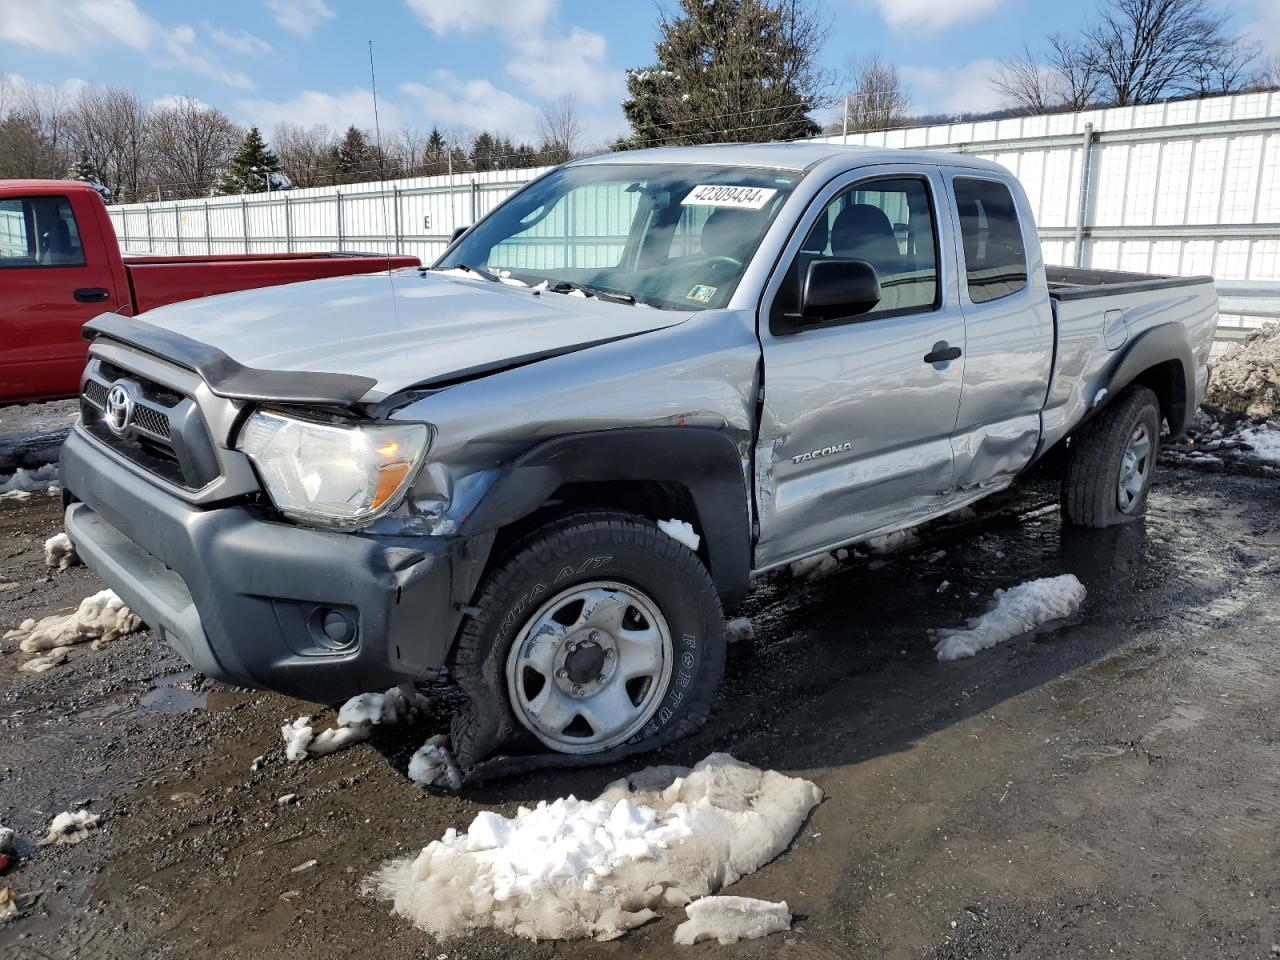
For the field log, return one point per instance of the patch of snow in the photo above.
(100, 618)
(8, 841)
(45, 661)
(71, 827)
(8, 904)
(817, 567)
(730, 919)
(682, 531)
(15, 495)
(432, 765)
(1264, 441)
(739, 629)
(1017, 610)
(59, 552)
(356, 720)
(30, 481)
(895, 542)
(573, 869)
(1246, 379)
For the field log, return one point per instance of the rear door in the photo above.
(1009, 330)
(856, 425)
(52, 279)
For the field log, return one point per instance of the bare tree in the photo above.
(190, 144)
(876, 99)
(561, 129)
(111, 126)
(1075, 68)
(6, 95)
(1027, 83)
(305, 154)
(1148, 49)
(1068, 78)
(408, 151)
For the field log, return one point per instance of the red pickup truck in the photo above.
(60, 265)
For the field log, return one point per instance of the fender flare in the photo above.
(704, 460)
(1159, 345)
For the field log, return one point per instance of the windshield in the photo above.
(672, 236)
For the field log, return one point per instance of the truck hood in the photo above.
(401, 330)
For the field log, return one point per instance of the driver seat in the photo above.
(730, 233)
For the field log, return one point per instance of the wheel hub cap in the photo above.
(588, 669)
(1135, 466)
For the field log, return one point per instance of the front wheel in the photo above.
(1110, 463)
(597, 633)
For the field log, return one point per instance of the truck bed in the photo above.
(1079, 283)
(159, 280)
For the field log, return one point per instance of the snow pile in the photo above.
(1247, 379)
(897, 541)
(68, 827)
(682, 531)
(572, 869)
(433, 765)
(1017, 611)
(1263, 441)
(815, 568)
(739, 629)
(101, 618)
(59, 552)
(356, 720)
(730, 919)
(45, 661)
(26, 482)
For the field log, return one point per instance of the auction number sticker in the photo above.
(723, 195)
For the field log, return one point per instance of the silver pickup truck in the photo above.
(552, 461)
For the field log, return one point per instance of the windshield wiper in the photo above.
(600, 293)
(479, 272)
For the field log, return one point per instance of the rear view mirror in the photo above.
(836, 288)
(459, 232)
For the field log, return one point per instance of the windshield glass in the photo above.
(672, 236)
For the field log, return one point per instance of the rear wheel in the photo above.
(596, 634)
(1111, 461)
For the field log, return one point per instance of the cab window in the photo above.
(39, 232)
(995, 257)
(888, 223)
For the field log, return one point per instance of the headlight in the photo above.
(333, 475)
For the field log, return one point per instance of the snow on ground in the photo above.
(45, 661)
(730, 919)
(59, 552)
(1264, 441)
(1017, 610)
(356, 720)
(894, 542)
(100, 618)
(682, 531)
(740, 628)
(71, 827)
(40, 480)
(1246, 379)
(432, 765)
(815, 568)
(573, 869)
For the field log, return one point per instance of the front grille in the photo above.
(165, 435)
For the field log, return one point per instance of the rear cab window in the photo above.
(39, 232)
(995, 256)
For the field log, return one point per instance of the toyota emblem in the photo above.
(119, 412)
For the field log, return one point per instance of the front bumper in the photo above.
(244, 599)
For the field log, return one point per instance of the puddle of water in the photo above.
(171, 695)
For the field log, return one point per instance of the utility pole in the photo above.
(845, 134)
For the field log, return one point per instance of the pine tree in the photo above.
(85, 171)
(353, 159)
(483, 152)
(250, 168)
(728, 70)
(436, 153)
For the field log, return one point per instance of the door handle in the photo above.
(942, 352)
(92, 294)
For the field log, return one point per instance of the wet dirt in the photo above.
(1108, 786)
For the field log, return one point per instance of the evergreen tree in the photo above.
(483, 152)
(250, 168)
(728, 70)
(85, 171)
(353, 158)
(436, 153)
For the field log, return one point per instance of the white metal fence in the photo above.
(1191, 187)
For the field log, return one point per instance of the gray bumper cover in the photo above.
(241, 597)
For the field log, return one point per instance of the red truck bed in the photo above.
(60, 265)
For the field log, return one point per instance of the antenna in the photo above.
(382, 174)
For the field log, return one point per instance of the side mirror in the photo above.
(459, 232)
(839, 288)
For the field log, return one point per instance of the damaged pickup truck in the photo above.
(331, 487)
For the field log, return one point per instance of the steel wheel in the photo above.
(1135, 466)
(586, 672)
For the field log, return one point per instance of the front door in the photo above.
(858, 415)
(49, 287)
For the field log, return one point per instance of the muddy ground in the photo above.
(1110, 787)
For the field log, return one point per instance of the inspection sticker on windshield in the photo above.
(721, 195)
(702, 293)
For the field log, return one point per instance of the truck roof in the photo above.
(789, 156)
(39, 187)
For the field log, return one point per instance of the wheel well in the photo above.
(653, 499)
(1166, 381)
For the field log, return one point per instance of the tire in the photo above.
(1108, 469)
(609, 558)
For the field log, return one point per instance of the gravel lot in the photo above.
(1109, 787)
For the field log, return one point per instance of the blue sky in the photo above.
(481, 63)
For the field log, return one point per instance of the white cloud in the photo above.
(964, 89)
(475, 104)
(300, 16)
(512, 18)
(311, 107)
(238, 41)
(932, 14)
(573, 64)
(78, 26)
